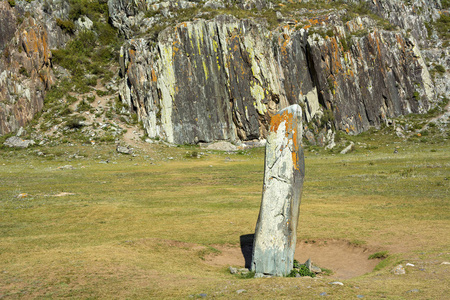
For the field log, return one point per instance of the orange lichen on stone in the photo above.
(153, 75)
(283, 41)
(132, 54)
(45, 46)
(400, 41)
(318, 20)
(313, 21)
(336, 56)
(291, 133)
(175, 47)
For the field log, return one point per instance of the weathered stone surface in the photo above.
(25, 74)
(216, 80)
(16, 141)
(399, 270)
(222, 146)
(124, 150)
(221, 79)
(410, 17)
(27, 33)
(381, 76)
(348, 148)
(276, 229)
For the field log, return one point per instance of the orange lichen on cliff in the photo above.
(153, 75)
(336, 57)
(283, 41)
(318, 20)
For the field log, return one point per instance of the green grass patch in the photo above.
(379, 255)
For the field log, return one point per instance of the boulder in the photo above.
(348, 148)
(222, 146)
(399, 270)
(275, 234)
(17, 142)
(124, 150)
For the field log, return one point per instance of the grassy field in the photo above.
(147, 226)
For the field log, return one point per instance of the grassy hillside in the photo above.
(82, 221)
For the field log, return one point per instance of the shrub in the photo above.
(66, 25)
(71, 99)
(302, 270)
(379, 255)
(65, 111)
(327, 116)
(83, 106)
(440, 69)
(24, 71)
(75, 122)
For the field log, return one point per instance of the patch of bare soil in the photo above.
(343, 258)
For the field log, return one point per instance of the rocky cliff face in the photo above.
(27, 33)
(366, 81)
(214, 80)
(223, 78)
(218, 70)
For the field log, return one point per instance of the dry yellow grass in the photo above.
(142, 228)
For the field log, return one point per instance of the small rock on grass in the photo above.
(66, 167)
(399, 270)
(413, 291)
(323, 294)
(241, 291)
(124, 150)
(316, 270)
(336, 283)
(233, 270)
(445, 263)
(359, 296)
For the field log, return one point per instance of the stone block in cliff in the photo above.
(216, 80)
(8, 24)
(276, 229)
(25, 75)
(380, 76)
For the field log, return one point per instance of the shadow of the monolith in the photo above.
(247, 248)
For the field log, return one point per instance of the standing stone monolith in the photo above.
(284, 170)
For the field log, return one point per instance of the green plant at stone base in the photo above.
(302, 271)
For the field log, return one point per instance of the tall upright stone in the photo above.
(276, 229)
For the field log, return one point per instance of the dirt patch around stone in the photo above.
(343, 258)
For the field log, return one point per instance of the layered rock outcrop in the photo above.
(352, 65)
(223, 78)
(25, 74)
(366, 81)
(27, 33)
(215, 80)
